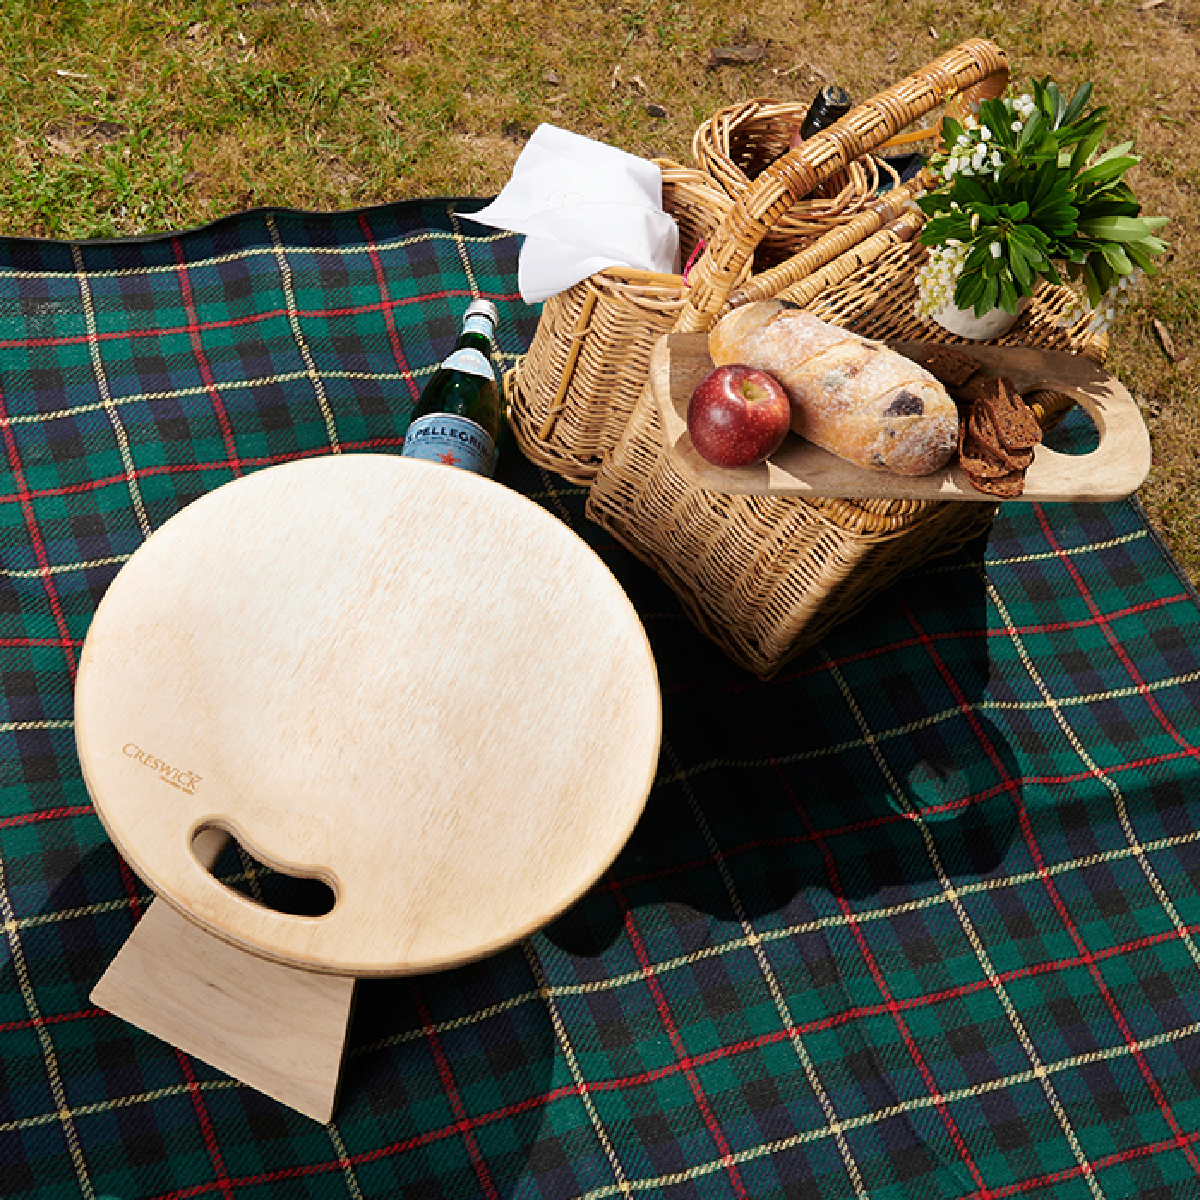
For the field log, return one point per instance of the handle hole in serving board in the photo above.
(1074, 434)
(241, 871)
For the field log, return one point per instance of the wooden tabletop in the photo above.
(1116, 468)
(401, 678)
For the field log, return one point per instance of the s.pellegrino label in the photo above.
(452, 440)
(472, 361)
(456, 419)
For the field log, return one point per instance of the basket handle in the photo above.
(798, 172)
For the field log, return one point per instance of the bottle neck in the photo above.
(477, 334)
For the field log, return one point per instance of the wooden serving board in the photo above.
(398, 677)
(1114, 470)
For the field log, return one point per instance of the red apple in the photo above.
(738, 415)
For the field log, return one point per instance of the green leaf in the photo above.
(1020, 264)
(1117, 259)
(1008, 294)
(1103, 170)
(933, 203)
(1114, 152)
(1060, 105)
(1082, 95)
(970, 190)
(940, 229)
(1047, 183)
(1030, 235)
(1140, 258)
(1035, 127)
(951, 132)
(1115, 229)
(991, 293)
(968, 290)
(1084, 150)
(998, 119)
(978, 256)
(1015, 212)
(1094, 290)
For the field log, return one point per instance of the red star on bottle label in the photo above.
(451, 440)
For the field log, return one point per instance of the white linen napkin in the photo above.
(582, 206)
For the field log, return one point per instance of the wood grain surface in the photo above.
(400, 678)
(1115, 469)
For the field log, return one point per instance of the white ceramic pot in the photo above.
(994, 323)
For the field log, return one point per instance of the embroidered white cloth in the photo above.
(582, 206)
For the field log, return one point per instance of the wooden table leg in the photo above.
(277, 1028)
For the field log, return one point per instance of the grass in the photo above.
(126, 117)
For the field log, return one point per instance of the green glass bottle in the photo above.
(457, 418)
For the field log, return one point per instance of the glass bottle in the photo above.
(830, 104)
(457, 417)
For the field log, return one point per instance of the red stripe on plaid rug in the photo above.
(664, 1014)
(35, 537)
(837, 892)
(381, 283)
(1119, 650)
(353, 310)
(1064, 913)
(210, 384)
(190, 468)
(462, 1122)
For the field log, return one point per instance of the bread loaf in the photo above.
(853, 397)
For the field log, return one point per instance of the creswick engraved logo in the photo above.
(185, 781)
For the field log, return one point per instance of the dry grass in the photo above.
(130, 117)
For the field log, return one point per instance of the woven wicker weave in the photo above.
(766, 577)
(594, 341)
(736, 144)
(571, 396)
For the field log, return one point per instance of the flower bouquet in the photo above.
(1025, 196)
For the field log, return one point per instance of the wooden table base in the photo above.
(279, 1029)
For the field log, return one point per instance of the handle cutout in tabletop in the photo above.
(1075, 434)
(238, 868)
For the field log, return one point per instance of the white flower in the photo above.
(995, 249)
(997, 158)
(985, 133)
(1016, 127)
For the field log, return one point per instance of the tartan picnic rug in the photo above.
(918, 918)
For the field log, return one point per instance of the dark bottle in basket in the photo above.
(457, 417)
(830, 104)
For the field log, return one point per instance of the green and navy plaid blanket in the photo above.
(918, 918)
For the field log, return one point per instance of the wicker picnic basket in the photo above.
(736, 144)
(593, 342)
(766, 577)
(570, 397)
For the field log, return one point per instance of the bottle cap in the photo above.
(484, 308)
(830, 104)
